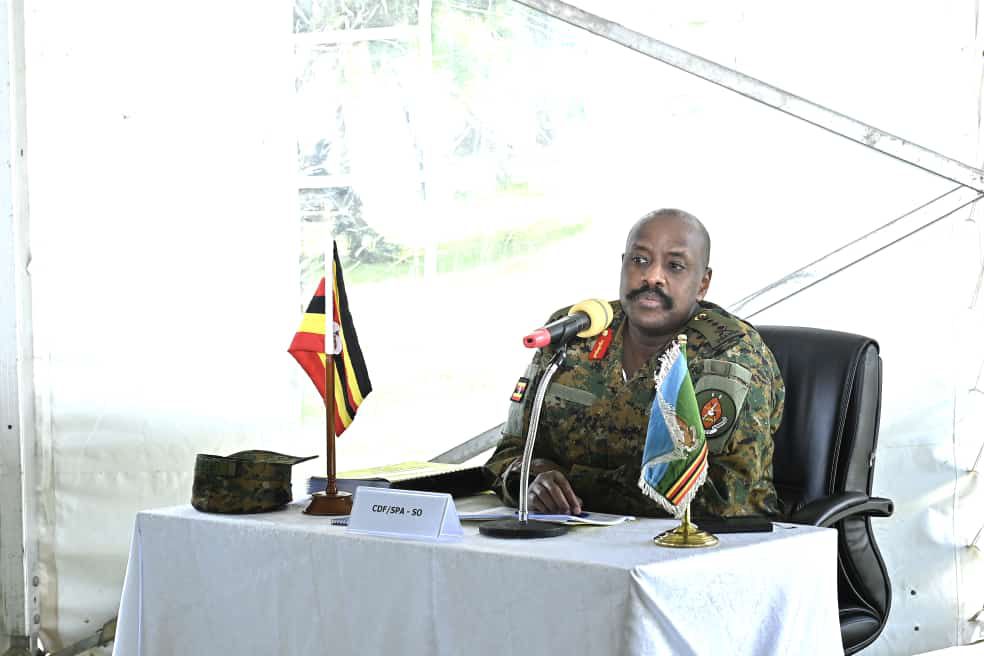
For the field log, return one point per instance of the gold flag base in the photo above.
(323, 503)
(686, 536)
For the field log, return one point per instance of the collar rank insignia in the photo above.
(520, 391)
(600, 347)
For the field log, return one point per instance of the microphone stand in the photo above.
(523, 527)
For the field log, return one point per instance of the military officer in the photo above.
(592, 428)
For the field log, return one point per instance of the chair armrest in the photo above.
(827, 511)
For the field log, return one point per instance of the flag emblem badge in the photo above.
(520, 391)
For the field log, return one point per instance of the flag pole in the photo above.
(332, 488)
(331, 501)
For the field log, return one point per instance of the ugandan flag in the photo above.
(674, 460)
(308, 348)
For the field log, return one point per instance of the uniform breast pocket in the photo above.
(566, 416)
(721, 389)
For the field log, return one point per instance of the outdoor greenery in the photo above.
(465, 254)
(467, 148)
(321, 15)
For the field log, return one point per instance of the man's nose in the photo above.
(655, 275)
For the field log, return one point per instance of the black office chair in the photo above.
(825, 457)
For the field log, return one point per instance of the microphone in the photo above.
(586, 319)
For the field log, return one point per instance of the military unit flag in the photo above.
(351, 384)
(674, 460)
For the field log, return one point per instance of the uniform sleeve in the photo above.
(740, 478)
(510, 447)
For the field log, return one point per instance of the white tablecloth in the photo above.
(288, 583)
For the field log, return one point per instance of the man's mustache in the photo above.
(667, 301)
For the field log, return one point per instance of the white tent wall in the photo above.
(164, 232)
(163, 239)
(18, 537)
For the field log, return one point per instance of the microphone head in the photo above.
(537, 339)
(600, 313)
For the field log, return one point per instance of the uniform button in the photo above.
(702, 315)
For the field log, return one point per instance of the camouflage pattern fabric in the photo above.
(243, 482)
(593, 423)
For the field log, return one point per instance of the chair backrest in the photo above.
(825, 445)
(829, 432)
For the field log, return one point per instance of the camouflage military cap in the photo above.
(243, 482)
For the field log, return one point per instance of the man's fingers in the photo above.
(552, 493)
(557, 500)
(539, 499)
(572, 501)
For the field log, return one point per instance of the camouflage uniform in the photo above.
(593, 423)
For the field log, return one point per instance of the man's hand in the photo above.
(551, 493)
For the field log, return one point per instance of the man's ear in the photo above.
(705, 282)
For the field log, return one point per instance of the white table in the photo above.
(288, 583)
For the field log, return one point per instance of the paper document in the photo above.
(405, 471)
(584, 519)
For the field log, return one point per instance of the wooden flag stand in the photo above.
(331, 501)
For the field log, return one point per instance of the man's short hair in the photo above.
(702, 233)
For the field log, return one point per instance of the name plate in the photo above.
(404, 514)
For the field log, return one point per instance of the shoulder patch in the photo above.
(717, 411)
(520, 391)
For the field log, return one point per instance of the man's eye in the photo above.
(639, 259)
(677, 266)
